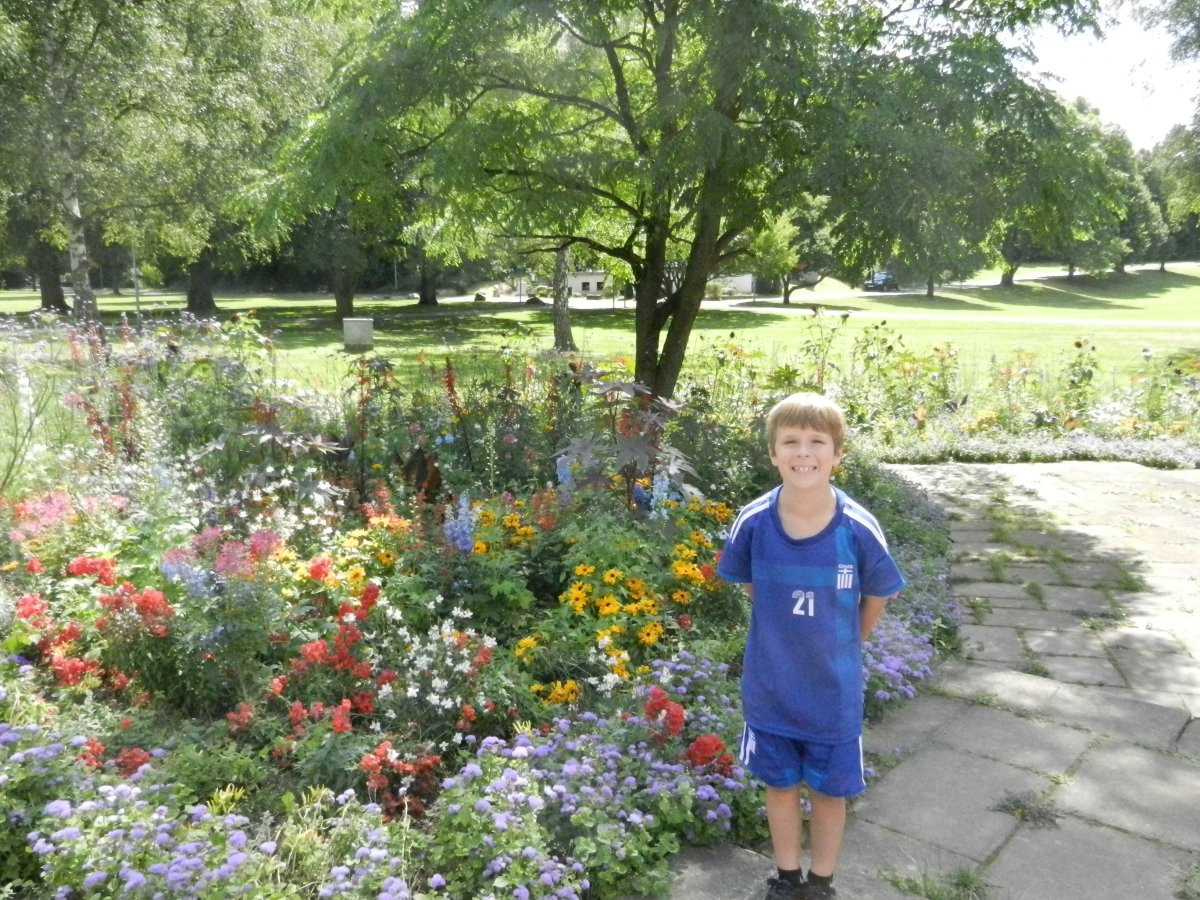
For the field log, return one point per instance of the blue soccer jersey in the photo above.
(802, 675)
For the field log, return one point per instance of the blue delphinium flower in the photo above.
(459, 527)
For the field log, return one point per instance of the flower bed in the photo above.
(462, 638)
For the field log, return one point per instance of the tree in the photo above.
(1142, 228)
(647, 131)
(248, 71)
(564, 341)
(72, 72)
(772, 251)
(1056, 191)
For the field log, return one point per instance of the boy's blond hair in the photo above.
(807, 410)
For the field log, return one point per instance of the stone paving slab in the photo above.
(1165, 670)
(1142, 639)
(1000, 594)
(986, 642)
(1035, 619)
(1068, 704)
(724, 871)
(1026, 572)
(937, 789)
(1083, 670)
(871, 850)
(1091, 572)
(912, 725)
(1078, 860)
(1065, 643)
(1070, 599)
(1003, 736)
(1110, 787)
(1189, 743)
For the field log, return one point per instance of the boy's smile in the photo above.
(804, 456)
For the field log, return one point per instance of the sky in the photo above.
(1128, 75)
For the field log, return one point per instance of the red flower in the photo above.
(320, 568)
(239, 720)
(709, 749)
(315, 651)
(34, 566)
(341, 717)
(71, 670)
(33, 609)
(661, 709)
(92, 753)
(104, 569)
(131, 759)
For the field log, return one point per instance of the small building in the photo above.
(734, 284)
(587, 282)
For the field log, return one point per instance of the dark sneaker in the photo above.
(778, 889)
(812, 891)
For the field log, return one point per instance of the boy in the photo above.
(818, 572)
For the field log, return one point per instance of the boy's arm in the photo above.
(869, 611)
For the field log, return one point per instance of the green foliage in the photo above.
(962, 884)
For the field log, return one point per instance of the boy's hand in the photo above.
(870, 609)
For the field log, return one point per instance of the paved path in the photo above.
(1060, 757)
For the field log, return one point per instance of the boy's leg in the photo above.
(786, 821)
(827, 825)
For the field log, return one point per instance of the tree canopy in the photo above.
(657, 133)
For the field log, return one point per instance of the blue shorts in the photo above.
(835, 770)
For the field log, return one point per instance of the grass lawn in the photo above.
(1043, 316)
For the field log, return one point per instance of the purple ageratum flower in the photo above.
(58, 808)
(93, 879)
(133, 879)
(437, 882)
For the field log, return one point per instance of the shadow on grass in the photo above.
(1094, 292)
(937, 302)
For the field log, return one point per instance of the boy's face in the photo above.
(804, 456)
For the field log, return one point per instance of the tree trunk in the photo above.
(200, 300)
(43, 259)
(929, 286)
(682, 307)
(343, 291)
(564, 342)
(85, 297)
(788, 287)
(1008, 275)
(427, 289)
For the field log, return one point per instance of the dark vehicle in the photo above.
(881, 281)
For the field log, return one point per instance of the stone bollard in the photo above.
(358, 334)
